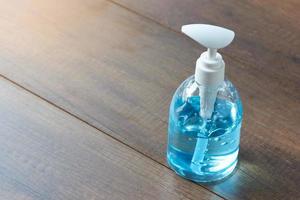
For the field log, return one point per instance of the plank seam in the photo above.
(96, 128)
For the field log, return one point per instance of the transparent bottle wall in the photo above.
(204, 149)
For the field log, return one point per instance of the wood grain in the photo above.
(117, 71)
(48, 154)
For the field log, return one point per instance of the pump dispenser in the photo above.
(205, 113)
(210, 66)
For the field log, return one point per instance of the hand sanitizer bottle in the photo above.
(205, 113)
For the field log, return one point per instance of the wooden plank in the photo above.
(117, 71)
(48, 154)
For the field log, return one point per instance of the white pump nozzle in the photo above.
(210, 66)
(210, 36)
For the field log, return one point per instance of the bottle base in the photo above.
(203, 177)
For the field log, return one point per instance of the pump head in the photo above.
(210, 67)
(209, 36)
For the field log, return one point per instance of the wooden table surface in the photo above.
(85, 87)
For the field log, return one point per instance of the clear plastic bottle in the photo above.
(214, 140)
(205, 113)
